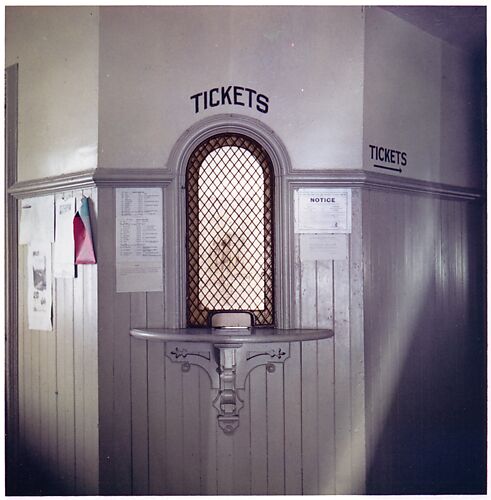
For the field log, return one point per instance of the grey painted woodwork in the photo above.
(112, 415)
(424, 345)
(168, 413)
(58, 379)
(228, 356)
(12, 302)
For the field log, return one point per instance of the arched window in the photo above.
(229, 190)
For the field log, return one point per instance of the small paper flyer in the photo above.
(37, 220)
(39, 299)
(64, 249)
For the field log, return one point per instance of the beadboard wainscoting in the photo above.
(301, 428)
(101, 412)
(425, 354)
(58, 378)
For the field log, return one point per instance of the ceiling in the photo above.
(464, 27)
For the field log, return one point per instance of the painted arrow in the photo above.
(389, 168)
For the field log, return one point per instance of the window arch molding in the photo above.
(175, 208)
(229, 124)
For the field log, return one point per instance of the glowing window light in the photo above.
(229, 230)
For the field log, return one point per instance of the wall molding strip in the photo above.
(374, 180)
(122, 177)
(99, 177)
(53, 184)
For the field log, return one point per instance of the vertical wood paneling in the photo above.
(59, 394)
(191, 431)
(326, 442)
(225, 463)
(326, 419)
(121, 446)
(90, 356)
(79, 373)
(156, 419)
(342, 372)
(242, 445)
(292, 391)
(460, 243)
(156, 399)
(23, 348)
(309, 420)
(325, 385)
(43, 395)
(324, 289)
(297, 283)
(309, 423)
(357, 347)
(174, 418)
(416, 371)
(301, 430)
(114, 361)
(31, 377)
(139, 399)
(208, 437)
(106, 318)
(63, 298)
(20, 346)
(52, 390)
(259, 438)
(66, 409)
(308, 294)
(61, 332)
(275, 431)
(35, 390)
(160, 437)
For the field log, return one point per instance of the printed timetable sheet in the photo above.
(139, 240)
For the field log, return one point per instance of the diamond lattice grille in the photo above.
(229, 228)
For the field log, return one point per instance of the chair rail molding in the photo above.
(121, 177)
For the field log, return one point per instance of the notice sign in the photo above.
(139, 239)
(323, 211)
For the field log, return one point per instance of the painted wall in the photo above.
(463, 118)
(57, 49)
(420, 98)
(307, 60)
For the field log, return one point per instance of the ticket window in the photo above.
(229, 230)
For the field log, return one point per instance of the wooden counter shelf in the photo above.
(228, 355)
(230, 335)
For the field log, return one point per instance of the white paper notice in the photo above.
(139, 239)
(323, 211)
(39, 299)
(64, 247)
(37, 222)
(323, 247)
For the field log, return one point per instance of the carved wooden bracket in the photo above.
(228, 366)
